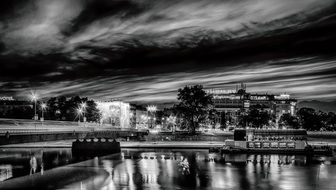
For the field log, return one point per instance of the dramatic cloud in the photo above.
(143, 51)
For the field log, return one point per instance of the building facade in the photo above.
(233, 103)
(116, 113)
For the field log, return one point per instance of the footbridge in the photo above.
(25, 131)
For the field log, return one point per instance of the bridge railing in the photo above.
(26, 131)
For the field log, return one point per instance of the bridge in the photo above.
(13, 131)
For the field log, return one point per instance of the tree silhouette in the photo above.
(309, 119)
(255, 118)
(194, 105)
(62, 108)
(289, 121)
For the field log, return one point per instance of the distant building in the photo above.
(116, 113)
(232, 103)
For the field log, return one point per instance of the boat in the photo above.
(273, 141)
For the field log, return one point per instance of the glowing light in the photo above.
(33, 96)
(151, 108)
(220, 91)
(83, 105)
(7, 98)
(79, 111)
(171, 119)
(43, 106)
(282, 97)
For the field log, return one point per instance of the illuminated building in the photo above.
(233, 103)
(116, 113)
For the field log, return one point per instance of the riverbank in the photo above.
(123, 144)
(151, 144)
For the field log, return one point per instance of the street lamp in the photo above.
(83, 107)
(43, 107)
(79, 112)
(34, 98)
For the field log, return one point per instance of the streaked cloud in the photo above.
(143, 51)
(294, 79)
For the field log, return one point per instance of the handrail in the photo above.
(3, 131)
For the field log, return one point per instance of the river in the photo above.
(171, 169)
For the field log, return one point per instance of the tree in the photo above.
(222, 120)
(62, 108)
(194, 104)
(213, 118)
(255, 118)
(289, 120)
(92, 112)
(52, 112)
(309, 119)
(243, 120)
(331, 121)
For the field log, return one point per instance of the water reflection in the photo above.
(184, 166)
(33, 164)
(199, 170)
(182, 169)
(21, 162)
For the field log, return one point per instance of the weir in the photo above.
(96, 147)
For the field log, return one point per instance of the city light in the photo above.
(33, 96)
(43, 106)
(83, 105)
(151, 108)
(79, 111)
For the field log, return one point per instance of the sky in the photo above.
(144, 50)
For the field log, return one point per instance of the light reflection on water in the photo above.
(200, 170)
(16, 162)
(197, 169)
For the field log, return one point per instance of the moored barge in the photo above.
(273, 141)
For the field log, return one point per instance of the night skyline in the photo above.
(143, 51)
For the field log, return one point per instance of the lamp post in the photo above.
(43, 107)
(34, 98)
(83, 107)
(79, 112)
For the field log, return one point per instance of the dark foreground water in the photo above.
(170, 169)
